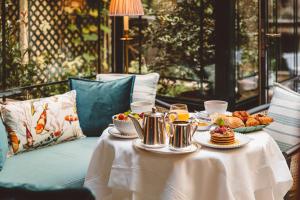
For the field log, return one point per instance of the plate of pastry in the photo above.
(243, 122)
(222, 138)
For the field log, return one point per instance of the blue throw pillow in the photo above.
(3, 144)
(97, 102)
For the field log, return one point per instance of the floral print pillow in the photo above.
(41, 122)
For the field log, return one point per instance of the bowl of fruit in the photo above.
(124, 124)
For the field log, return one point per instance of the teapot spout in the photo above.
(137, 126)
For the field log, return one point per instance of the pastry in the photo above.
(263, 119)
(229, 121)
(233, 122)
(222, 135)
(243, 115)
(252, 122)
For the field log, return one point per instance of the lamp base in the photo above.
(126, 40)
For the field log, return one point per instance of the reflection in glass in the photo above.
(178, 43)
(247, 48)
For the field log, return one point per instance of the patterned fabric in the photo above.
(285, 109)
(144, 88)
(40, 122)
(3, 145)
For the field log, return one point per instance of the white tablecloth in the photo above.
(256, 171)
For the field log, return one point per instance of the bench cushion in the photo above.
(62, 165)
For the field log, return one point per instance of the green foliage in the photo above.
(18, 72)
(175, 33)
(24, 71)
(175, 36)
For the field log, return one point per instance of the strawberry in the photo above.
(121, 117)
(141, 115)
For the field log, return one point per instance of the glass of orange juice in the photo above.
(181, 110)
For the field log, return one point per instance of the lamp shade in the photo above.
(126, 8)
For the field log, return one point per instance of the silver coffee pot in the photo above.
(181, 133)
(153, 128)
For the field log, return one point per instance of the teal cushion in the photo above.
(3, 144)
(61, 165)
(98, 101)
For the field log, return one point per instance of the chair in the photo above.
(289, 152)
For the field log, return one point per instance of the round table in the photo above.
(256, 171)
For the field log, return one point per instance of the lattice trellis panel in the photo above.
(12, 31)
(13, 12)
(49, 37)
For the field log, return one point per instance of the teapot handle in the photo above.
(167, 121)
(167, 116)
(194, 127)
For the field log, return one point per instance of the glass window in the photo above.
(247, 48)
(178, 43)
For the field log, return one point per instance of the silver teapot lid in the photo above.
(154, 113)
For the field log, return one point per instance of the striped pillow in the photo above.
(285, 109)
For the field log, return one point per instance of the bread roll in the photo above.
(233, 122)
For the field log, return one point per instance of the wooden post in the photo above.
(23, 35)
(225, 51)
(118, 46)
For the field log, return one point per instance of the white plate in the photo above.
(114, 132)
(138, 143)
(204, 139)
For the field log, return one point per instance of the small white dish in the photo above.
(204, 127)
(114, 132)
(124, 126)
(204, 139)
(138, 143)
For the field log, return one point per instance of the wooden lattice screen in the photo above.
(43, 42)
(50, 37)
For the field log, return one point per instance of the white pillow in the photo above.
(144, 87)
(40, 122)
(285, 110)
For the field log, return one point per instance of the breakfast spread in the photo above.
(222, 135)
(243, 119)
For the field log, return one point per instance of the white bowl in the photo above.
(204, 128)
(141, 107)
(215, 106)
(124, 126)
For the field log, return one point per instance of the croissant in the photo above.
(243, 115)
(252, 122)
(263, 119)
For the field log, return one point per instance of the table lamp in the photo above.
(126, 8)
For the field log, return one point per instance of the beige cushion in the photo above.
(285, 110)
(39, 122)
(144, 87)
